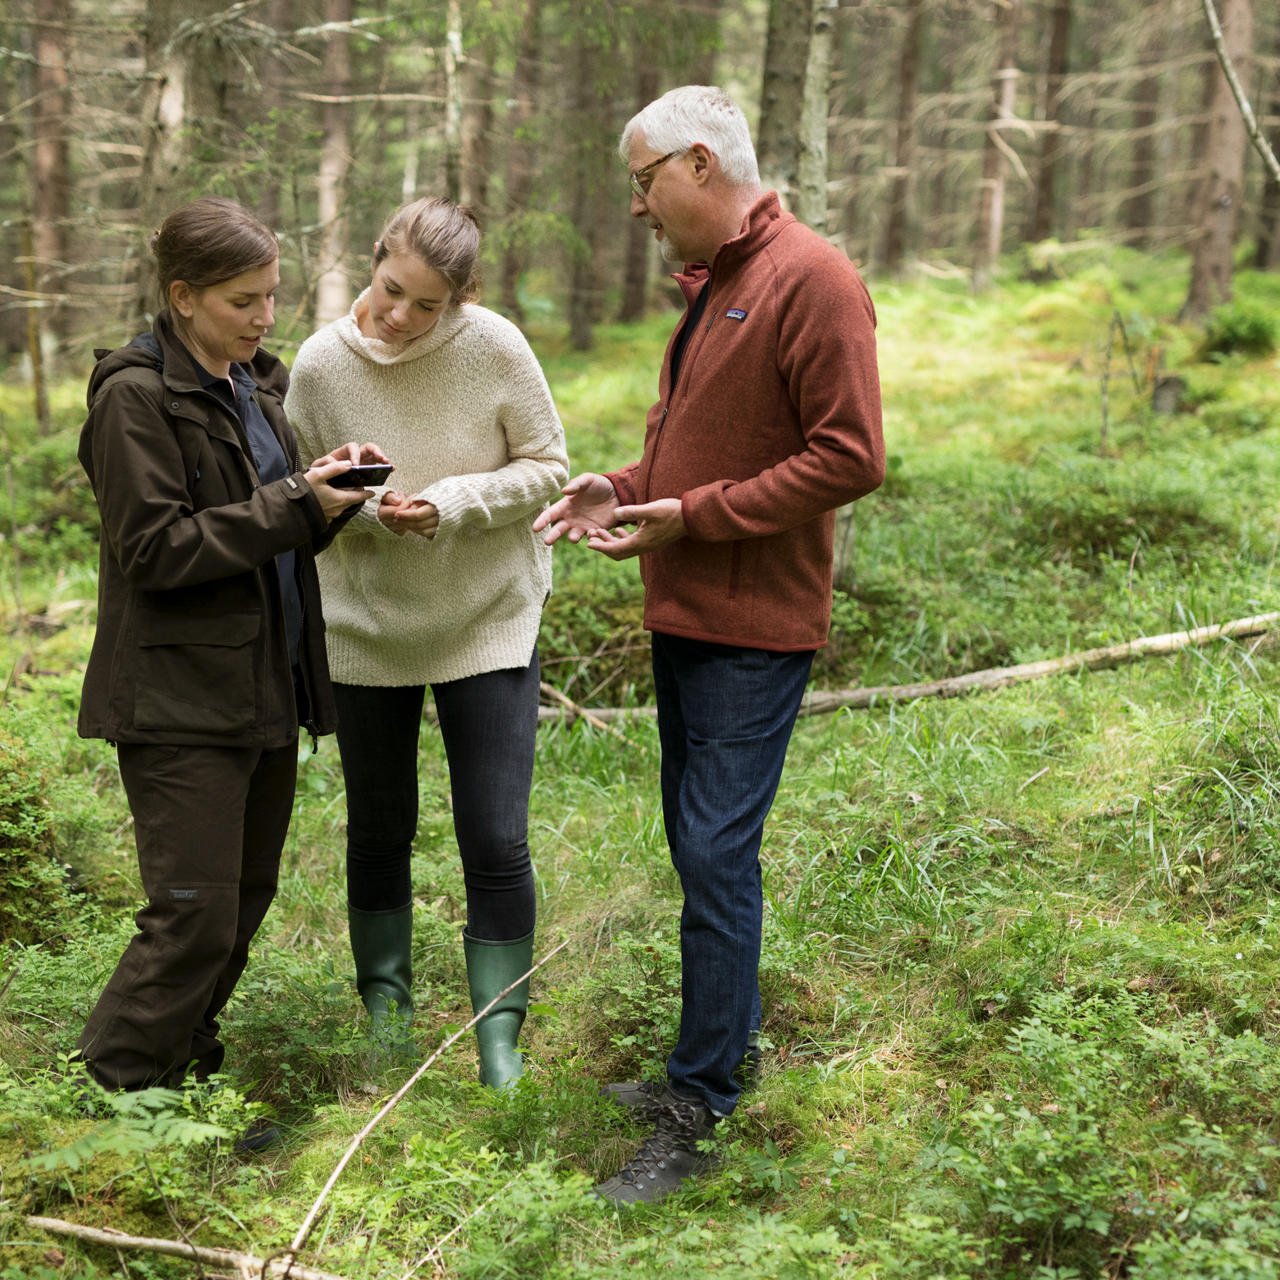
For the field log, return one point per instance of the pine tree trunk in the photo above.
(895, 232)
(703, 70)
(1139, 209)
(782, 96)
(51, 157)
(477, 128)
(453, 102)
(811, 163)
(271, 102)
(521, 155)
(586, 211)
(990, 227)
(1266, 255)
(639, 247)
(184, 88)
(1217, 208)
(1042, 218)
(333, 289)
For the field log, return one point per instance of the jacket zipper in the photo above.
(685, 367)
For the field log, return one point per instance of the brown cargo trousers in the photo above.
(210, 825)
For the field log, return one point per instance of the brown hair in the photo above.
(442, 234)
(208, 241)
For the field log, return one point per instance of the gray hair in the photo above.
(698, 113)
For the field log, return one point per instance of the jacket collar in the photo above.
(764, 220)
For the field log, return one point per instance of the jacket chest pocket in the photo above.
(196, 674)
(216, 471)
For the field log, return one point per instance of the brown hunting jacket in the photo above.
(190, 645)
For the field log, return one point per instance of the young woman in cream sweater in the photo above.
(439, 580)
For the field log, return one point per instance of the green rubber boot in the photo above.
(491, 966)
(382, 944)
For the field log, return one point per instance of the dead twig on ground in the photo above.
(819, 702)
(304, 1231)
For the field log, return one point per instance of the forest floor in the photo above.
(1021, 952)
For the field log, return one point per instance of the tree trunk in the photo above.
(1139, 209)
(453, 103)
(639, 248)
(1042, 218)
(811, 167)
(170, 106)
(990, 228)
(895, 231)
(51, 157)
(586, 208)
(271, 104)
(703, 68)
(782, 96)
(521, 154)
(333, 289)
(1217, 208)
(1266, 255)
(477, 127)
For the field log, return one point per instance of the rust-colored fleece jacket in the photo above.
(773, 424)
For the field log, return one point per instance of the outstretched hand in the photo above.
(657, 524)
(589, 507)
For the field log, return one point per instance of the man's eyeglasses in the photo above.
(642, 179)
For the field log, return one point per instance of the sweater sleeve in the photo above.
(829, 370)
(309, 410)
(537, 463)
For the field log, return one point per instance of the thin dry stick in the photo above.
(394, 1101)
(1260, 143)
(437, 1249)
(245, 1263)
(550, 691)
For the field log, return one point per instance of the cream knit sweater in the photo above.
(466, 415)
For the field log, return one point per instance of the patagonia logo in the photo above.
(184, 895)
(735, 313)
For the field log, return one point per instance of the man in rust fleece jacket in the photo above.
(767, 421)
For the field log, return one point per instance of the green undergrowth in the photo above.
(1022, 948)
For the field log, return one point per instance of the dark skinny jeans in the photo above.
(488, 723)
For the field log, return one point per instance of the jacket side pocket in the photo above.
(196, 674)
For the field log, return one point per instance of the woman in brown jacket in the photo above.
(209, 650)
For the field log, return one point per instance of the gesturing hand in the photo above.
(589, 506)
(657, 524)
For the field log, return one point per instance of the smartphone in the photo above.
(361, 476)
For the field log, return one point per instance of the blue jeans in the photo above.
(488, 723)
(725, 717)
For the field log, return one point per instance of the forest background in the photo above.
(1021, 948)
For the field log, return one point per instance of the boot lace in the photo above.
(679, 1127)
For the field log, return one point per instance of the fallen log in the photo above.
(820, 703)
(245, 1266)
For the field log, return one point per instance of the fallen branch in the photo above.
(283, 1265)
(580, 712)
(819, 703)
(243, 1264)
(999, 677)
(304, 1231)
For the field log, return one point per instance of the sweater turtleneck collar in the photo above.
(452, 321)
